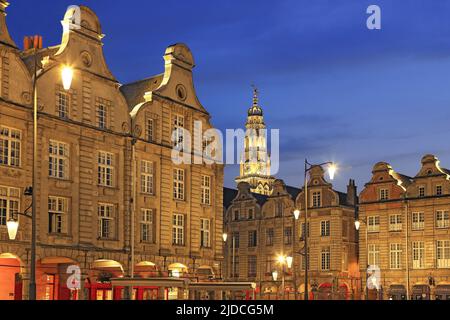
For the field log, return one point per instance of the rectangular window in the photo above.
(252, 266)
(102, 116)
(105, 168)
(236, 215)
(63, 104)
(279, 209)
(147, 225)
(418, 221)
(374, 254)
(325, 259)
(178, 229)
(316, 199)
(344, 228)
(207, 147)
(303, 230)
(269, 237)
(58, 160)
(252, 238)
(373, 223)
(147, 177)
(250, 214)
(270, 266)
(438, 190)
(304, 260)
(395, 255)
(325, 228)
(177, 131)
(384, 194)
(418, 254)
(443, 253)
(178, 184)
(288, 235)
(9, 203)
(150, 130)
(57, 215)
(10, 146)
(395, 222)
(442, 219)
(236, 240)
(106, 219)
(206, 190)
(205, 238)
(235, 268)
(421, 191)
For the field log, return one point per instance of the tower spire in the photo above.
(255, 95)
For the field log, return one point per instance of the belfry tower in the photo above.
(255, 162)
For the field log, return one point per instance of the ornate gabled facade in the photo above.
(332, 240)
(264, 228)
(255, 162)
(405, 230)
(109, 198)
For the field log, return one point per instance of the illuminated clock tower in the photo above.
(255, 162)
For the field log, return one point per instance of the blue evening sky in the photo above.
(336, 90)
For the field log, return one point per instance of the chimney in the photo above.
(352, 197)
(32, 42)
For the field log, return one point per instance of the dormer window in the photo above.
(236, 215)
(438, 190)
(316, 199)
(384, 194)
(421, 191)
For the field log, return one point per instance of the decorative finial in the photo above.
(255, 95)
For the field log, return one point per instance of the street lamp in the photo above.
(12, 226)
(357, 226)
(275, 275)
(233, 244)
(294, 274)
(289, 261)
(331, 172)
(67, 76)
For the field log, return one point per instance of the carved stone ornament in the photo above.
(137, 131)
(86, 58)
(26, 97)
(125, 127)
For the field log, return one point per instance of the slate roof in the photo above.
(134, 92)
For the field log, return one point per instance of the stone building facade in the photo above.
(261, 229)
(406, 223)
(110, 200)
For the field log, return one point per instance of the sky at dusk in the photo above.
(336, 90)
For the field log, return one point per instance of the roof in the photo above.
(134, 91)
(228, 196)
(29, 58)
(293, 191)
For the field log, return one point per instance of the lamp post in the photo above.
(233, 249)
(66, 76)
(294, 275)
(283, 261)
(357, 226)
(331, 172)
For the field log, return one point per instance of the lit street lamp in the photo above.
(331, 172)
(357, 226)
(66, 77)
(275, 275)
